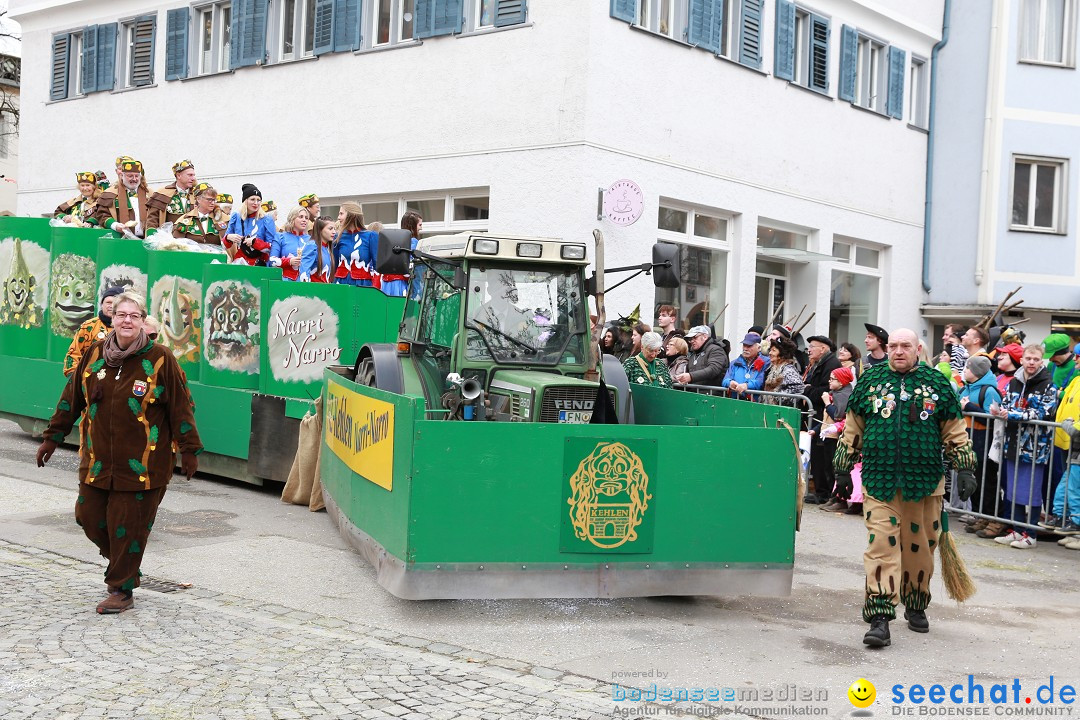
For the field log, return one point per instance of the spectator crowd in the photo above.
(1021, 402)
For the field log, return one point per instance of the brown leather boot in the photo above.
(977, 525)
(117, 602)
(992, 530)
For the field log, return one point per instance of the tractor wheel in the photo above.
(366, 374)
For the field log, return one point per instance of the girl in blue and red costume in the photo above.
(291, 244)
(398, 285)
(250, 231)
(355, 249)
(317, 264)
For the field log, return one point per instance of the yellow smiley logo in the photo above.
(862, 693)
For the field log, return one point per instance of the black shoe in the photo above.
(916, 620)
(810, 499)
(854, 509)
(1070, 528)
(1051, 522)
(878, 634)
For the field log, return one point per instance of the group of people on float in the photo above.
(308, 246)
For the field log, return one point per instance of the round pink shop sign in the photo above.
(624, 202)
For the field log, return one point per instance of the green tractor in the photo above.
(498, 328)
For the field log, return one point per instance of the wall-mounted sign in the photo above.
(623, 203)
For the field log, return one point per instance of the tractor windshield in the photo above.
(531, 316)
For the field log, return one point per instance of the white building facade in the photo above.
(1005, 165)
(781, 145)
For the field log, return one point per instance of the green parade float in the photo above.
(457, 452)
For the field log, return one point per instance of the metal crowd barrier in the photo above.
(806, 408)
(1024, 510)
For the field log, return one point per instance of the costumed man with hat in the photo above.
(823, 360)
(94, 329)
(198, 223)
(79, 211)
(222, 212)
(122, 207)
(877, 340)
(168, 203)
(310, 202)
(901, 417)
(1059, 350)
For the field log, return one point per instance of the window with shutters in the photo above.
(135, 53)
(663, 17)
(811, 50)
(871, 74)
(393, 22)
(1038, 194)
(212, 37)
(483, 14)
(294, 30)
(66, 75)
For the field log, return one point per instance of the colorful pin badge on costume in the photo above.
(101, 374)
(139, 388)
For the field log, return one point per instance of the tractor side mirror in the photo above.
(391, 255)
(665, 257)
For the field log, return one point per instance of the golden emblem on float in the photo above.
(608, 496)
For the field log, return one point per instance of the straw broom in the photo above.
(958, 583)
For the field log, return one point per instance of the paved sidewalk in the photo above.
(199, 654)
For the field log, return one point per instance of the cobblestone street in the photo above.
(199, 654)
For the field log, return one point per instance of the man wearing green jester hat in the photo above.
(901, 417)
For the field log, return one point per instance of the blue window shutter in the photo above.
(509, 12)
(819, 53)
(897, 70)
(237, 13)
(176, 43)
(750, 33)
(324, 26)
(437, 17)
(58, 84)
(705, 24)
(346, 25)
(849, 58)
(624, 10)
(252, 37)
(142, 51)
(89, 59)
(784, 62)
(106, 56)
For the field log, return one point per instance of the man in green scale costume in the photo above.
(901, 417)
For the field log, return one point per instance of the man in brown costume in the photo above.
(173, 200)
(198, 223)
(136, 401)
(122, 207)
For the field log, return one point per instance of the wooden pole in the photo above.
(601, 309)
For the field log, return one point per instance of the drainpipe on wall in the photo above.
(930, 147)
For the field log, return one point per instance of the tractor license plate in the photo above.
(575, 416)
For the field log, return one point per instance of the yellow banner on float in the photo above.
(360, 431)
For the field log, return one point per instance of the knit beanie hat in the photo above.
(843, 375)
(247, 191)
(979, 365)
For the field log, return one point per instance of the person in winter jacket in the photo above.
(836, 400)
(1065, 516)
(707, 362)
(675, 354)
(823, 361)
(747, 372)
(979, 394)
(1030, 396)
(783, 375)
